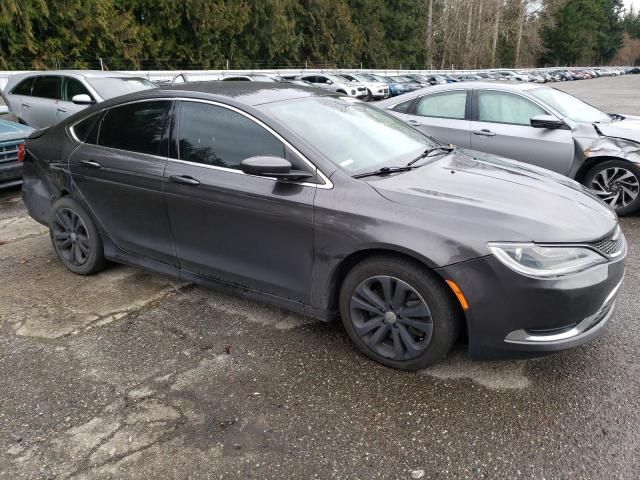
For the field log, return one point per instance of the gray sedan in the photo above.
(534, 124)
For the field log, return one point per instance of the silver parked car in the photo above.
(537, 125)
(41, 99)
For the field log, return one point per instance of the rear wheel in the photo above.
(398, 313)
(75, 237)
(617, 183)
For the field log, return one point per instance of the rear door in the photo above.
(245, 230)
(19, 94)
(118, 169)
(502, 126)
(443, 115)
(70, 88)
(40, 110)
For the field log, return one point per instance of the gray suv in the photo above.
(41, 99)
(537, 125)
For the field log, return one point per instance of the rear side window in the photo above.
(24, 87)
(403, 107)
(443, 105)
(501, 107)
(218, 136)
(47, 87)
(136, 127)
(72, 87)
(87, 130)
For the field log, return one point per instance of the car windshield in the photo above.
(570, 106)
(109, 87)
(356, 137)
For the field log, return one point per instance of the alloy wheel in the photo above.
(391, 318)
(71, 237)
(616, 186)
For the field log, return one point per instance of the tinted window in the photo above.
(72, 87)
(110, 87)
(444, 105)
(504, 107)
(24, 87)
(403, 107)
(87, 129)
(218, 136)
(47, 87)
(136, 127)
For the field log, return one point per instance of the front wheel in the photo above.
(617, 183)
(398, 313)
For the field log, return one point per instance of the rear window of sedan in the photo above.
(109, 87)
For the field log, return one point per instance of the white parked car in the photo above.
(375, 89)
(337, 84)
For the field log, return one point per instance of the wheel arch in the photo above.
(591, 162)
(340, 272)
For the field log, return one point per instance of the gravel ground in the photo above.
(128, 374)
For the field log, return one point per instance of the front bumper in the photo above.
(514, 316)
(10, 173)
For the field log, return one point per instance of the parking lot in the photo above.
(131, 374)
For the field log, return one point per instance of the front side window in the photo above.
(354, 136)
(501, 107)
(136, 127)
(570, 106)
(47, 87)
(109, 87)
(221, 137)
(24, 87)
(443, 105)
(72, 87)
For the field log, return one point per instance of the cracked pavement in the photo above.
(128, 374)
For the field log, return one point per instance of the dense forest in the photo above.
(215, 34)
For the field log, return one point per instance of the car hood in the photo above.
(629, 128)
(13, 131)
(515, 201)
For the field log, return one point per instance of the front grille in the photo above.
(612, 245)
(9, 151)
(361, 89)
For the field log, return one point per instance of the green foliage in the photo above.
(586, 32)
(184, 34)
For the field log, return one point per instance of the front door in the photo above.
(245, 230)
(118, 170)
(70, 88)
(502, 126)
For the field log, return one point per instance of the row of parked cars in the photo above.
(503, 112)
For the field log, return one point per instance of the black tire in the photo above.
(623, 178)
(75, 238)
(369, 96)
(443, 311)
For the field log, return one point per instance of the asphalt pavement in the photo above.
(128, 374)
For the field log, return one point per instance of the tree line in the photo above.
(389, 34)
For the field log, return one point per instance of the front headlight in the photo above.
(545, 261)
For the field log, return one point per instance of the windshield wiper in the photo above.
(429, 151)
(384, 171)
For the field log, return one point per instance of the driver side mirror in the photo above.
(329, 82)
(4, 109)
(269, 166)
(82, 99)
(547, 121)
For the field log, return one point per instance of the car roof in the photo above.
(247, 93)
(78, 73)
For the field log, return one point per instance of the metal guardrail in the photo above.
(216, 74)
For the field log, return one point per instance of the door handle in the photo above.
(26, 105)
(63, 110)
(184, 180)
(415, 123)
(90, 163)
(484, 133)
